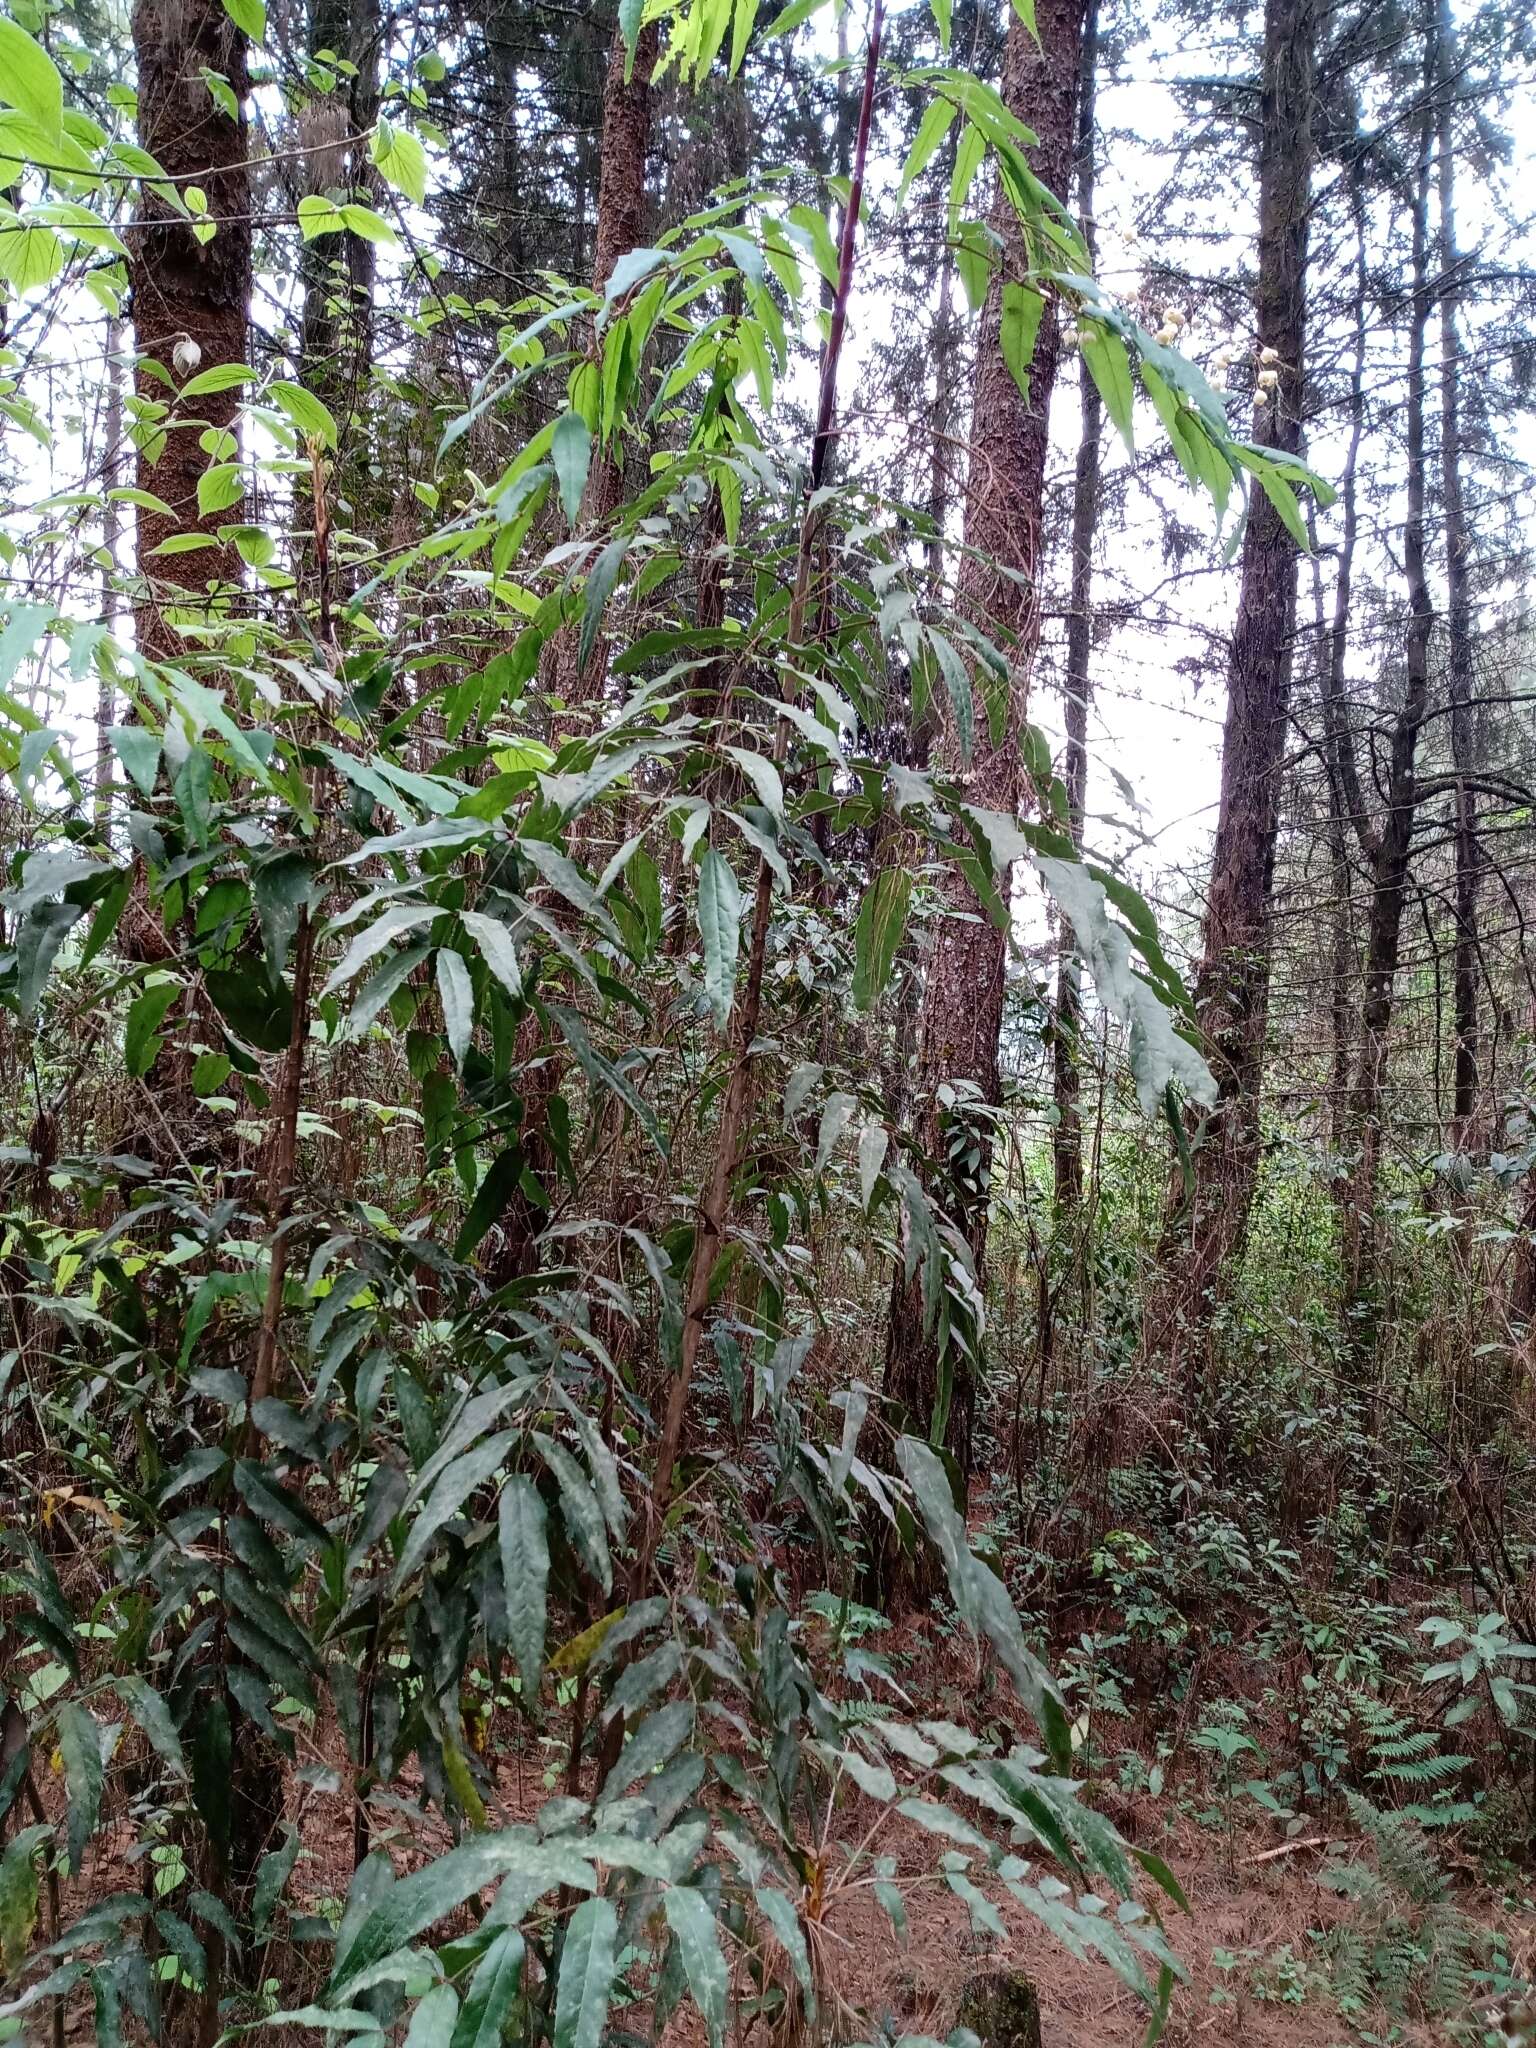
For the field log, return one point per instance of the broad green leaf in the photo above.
(433, 2021)
(719, 913)
(779, 1911)
(401, 159)
(313, 420)
(249, 15)
(524, 1544)
(222, 377)
(30, 80)
(139, 751)
(587, 1969)
(219, 487)
(698, 1942)
(1158, 1054)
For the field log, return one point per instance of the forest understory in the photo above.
(767, 1024)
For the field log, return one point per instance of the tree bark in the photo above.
(1347, 818)
(962, 1009)
(623, 211)
(1459, 615)
(1232, 988)
(187, 296)
(1067, 1141)
(1390, 876)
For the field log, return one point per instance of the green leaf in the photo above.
(980, 1595)
(18, 1889)
(154, 1717)
(942, 10)
(401, 160)
(1109, 365)
(219, 487)
(1158, 1053)
(141, 1045)
(139, 751)
(457, 994)
(779, 1911)
(932, 129)
(272, 1875)
(222, 377)
(249, 15)
(453, 1488)
(791, 17)
(433, 2021)
(370, 226)
(719, 912)
(1019, 331)
(80, 1747)
(571, 453)
(698, 1943)
(878, 933)
(604, 574)
(212, 1756)
(494, 941)
(497, 1188)
(426, 1896)
(631, 14)
(312, 419)
(30, 80)
(587, 1965)
(31, 255)
(524, 1543)
(319, 216)
(498, 1979)
(253, 1008)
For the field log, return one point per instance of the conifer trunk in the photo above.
(188, 296)
(623, 211)
(962, 1009)
(1067, 1144)
(1390, 876)
(1458, 610)
(1232, 989)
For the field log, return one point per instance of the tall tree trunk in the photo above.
(338, 270)
(111, 565)
(623, 211)
(1347, 819)
(1465, 969)
(1067, 1143)
(189, 299)
(1232, 989)
(1389, 879)
(962, 1009)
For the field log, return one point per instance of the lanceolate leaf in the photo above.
(719, 910)
(587, 1965)
(877, 935)
(524, 1546)
(698, 1941)
(80, 1747)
